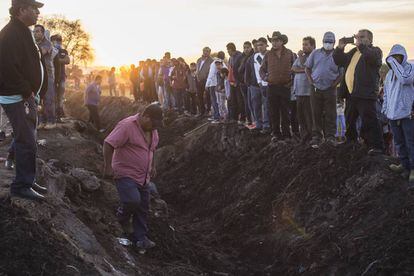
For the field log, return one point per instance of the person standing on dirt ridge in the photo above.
(24, 78)
(129, 153)
(203, 92)
(324, 75)
(303, 89)
(276, 71)
(48, 114)
(360, 88)
(398, 106)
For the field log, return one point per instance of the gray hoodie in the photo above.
(398, 86)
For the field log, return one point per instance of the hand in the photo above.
(341, 43)
(107, 171)
(300, 53)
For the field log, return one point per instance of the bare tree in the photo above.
(75, 39)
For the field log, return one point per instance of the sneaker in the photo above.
(102, 130)
(241, 123)
(145, 244)
(210, 119)
(373, 152)
(397, 168)
(41, 126)
(331, 141)
(315, 142)
(50, 126)
(9, 164)
(215, 122)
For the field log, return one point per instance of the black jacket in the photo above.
(250, 77)
(242, 66)
(20, 71)
(367, 77)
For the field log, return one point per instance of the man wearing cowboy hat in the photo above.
(276, 70)
(23, 79)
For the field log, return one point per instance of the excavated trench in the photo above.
(237, 205)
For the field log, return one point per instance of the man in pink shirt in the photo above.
(128, 154)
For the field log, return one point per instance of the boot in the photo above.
(27, 193)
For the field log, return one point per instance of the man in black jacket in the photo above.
(244, 88)
(360, 88)
(22, 79)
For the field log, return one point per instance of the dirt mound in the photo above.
(28, 247)
(288, 209)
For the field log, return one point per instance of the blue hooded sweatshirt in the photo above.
(398, 86)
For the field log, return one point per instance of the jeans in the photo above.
(134, 203)
(112, 90)
(293, 116)
(49, 104)
(257, 105)
(191, 102)
(403, 131)
(370, 128)
(221, 99)
(24, 129)
(279, 97)
(304, 112)
(169, 100)
(94, 116)
(60, 98)
(244, 104)
(214, 104)
(324, 113)
(265, 104)
(179, 97)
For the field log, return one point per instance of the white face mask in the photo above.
(328, 46)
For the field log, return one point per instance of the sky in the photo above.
(126, 31)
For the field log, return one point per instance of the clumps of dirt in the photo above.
(287, 209)
(28, 247)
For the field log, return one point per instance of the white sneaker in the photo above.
(41, 126)
(50, 126)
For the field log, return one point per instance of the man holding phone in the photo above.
(360, 87)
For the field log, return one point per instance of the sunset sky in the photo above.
(125, 31)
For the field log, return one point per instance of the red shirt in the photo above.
(132, 156)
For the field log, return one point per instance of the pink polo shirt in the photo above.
(132, 156)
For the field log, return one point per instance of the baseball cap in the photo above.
(154, 111)
(329, 37)
(27, 2)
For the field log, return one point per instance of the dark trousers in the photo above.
(236, 104)
(134, 204)
(203, 97)
(244, 106)
(278, 99)
(60, 98)
(304, 112)
(94, 116)
(191, 102)
(25, 147)
(293, 116)
(403, 131)
(323, 104)
(370, 129)
(179, 97)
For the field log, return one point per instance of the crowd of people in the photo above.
(320, 95)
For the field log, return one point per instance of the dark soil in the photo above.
(238, 205)
(28, 247)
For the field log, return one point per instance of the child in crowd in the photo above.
(191, 95)
(221, 91)
(340, 121)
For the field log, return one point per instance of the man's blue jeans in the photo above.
(403, 131)
(265, 104)
(24, 130)
(60, 98)
(134, 203)
(259, 106)
(49, 104)
(179, 99)
(214, 103)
